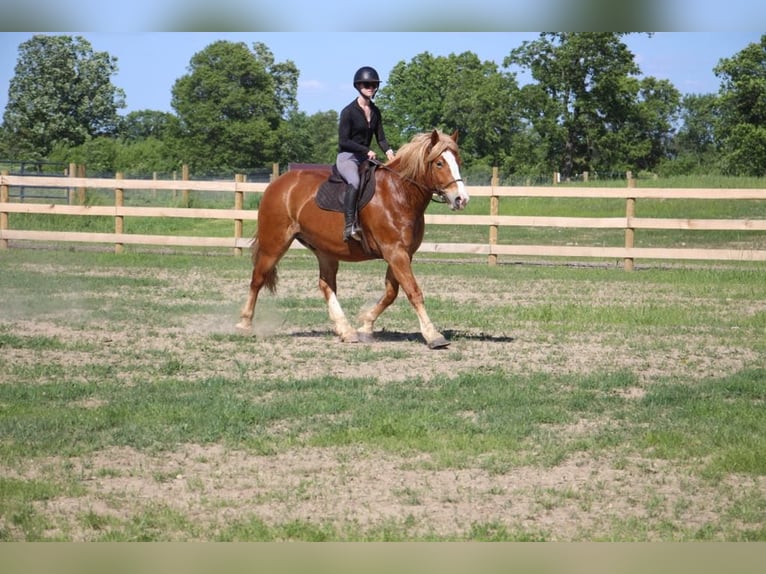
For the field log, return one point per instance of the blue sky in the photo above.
(150, 62)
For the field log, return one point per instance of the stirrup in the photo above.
(351, 232)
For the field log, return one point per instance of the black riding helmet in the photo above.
(366, 74)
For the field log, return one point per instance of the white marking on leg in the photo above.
(426, 327)
(336, 312)
(342, 327)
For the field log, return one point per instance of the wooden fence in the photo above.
(237, 187)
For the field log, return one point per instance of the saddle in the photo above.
(331, 192)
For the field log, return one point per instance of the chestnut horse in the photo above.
(392, 225)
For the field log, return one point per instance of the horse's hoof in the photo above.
(438, 343)
(244, 326)
(350, 338)
(365, 337)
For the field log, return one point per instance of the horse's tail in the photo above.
(270, 278)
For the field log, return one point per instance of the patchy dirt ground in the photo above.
(356, 489)
(353, 491)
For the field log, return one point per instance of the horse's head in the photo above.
(432, 162)
(444, 159)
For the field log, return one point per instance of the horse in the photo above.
(425, 168)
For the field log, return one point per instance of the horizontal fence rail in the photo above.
(629, 223)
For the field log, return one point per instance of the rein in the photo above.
(437, 195)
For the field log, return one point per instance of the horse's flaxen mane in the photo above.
(415, 155)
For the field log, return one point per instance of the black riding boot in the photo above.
(350, 231)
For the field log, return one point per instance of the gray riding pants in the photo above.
(348, 166)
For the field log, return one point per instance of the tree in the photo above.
(323, 132)
(586, 93)
(694, 147)
(144, 124)
(458, 91)
(99, 155)
(310, 139)
(61, 94)
(742, 125)
(652, 124)
(231, 104)
(482, 103)
(412, 99)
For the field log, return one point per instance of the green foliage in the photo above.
(308, 139)
(98, 154)
(591, 111)
(62, 94)
(231, 104)
(745, 150)
(145, 124)
(144, 157)
(743, 110)
(695, 141)
(454, 92)
(587, 108)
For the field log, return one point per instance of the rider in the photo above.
(359, 121)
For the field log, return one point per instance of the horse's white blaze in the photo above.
(461, 194)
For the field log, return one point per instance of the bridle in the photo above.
(438, 195)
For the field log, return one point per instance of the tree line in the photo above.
(587, 108)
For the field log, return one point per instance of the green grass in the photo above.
(715, 426)
(102, 353)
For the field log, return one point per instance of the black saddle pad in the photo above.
(331, 192)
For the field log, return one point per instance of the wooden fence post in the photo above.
(72, 174)
(274, 171)
(119, 220)
(185, 177)
(4, 196)
(81, 190)
(494, 210)
(239, 203)
(630, 213)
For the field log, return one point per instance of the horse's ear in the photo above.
(434, 137)
(454, 136)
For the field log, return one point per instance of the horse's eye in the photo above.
(440, 164)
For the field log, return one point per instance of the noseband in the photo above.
(438, 194)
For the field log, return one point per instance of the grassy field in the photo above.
(574, 403)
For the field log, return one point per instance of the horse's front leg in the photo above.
(371, 315)
(328, 272)
(401, 267)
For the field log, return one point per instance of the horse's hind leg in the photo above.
(328, 272)
(264, 273)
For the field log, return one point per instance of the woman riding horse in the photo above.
(393, 225)
(359, 121)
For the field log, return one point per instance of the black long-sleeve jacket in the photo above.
(355, 135)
